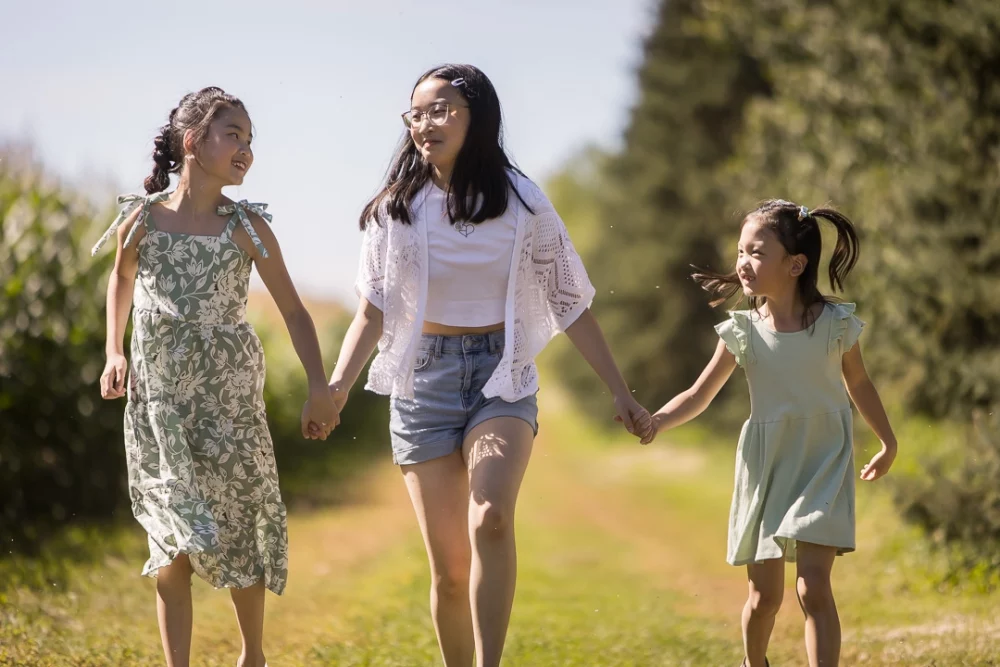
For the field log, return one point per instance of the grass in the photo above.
(621, 554)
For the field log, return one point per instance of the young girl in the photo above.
(200, 462)
(466, 273)
(794, 494)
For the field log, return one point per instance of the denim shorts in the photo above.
(448, 402)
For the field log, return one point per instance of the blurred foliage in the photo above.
(889, 111)
(317, 472)
(62, 459)
(61, 456)
(655, 206)
(955, 497)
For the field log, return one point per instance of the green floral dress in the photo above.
(201, 471)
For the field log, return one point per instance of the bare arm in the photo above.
(359, 343)
(319, 408)
(690, 403)
(866, 397)
(586, 335)
(366, 328)
(119, 304)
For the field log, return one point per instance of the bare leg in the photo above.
(174, 611)
(249, 605)
(497, 453)
(767, 588)
(815, 562)
(439, 491)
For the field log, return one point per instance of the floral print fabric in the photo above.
(201, 470)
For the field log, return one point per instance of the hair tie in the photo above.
(803, 213)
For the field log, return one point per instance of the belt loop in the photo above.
(495, 342)
(438, 346)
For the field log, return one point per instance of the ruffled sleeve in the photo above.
(239, 210)
(846, 328)
(735, 333)
(370, 283)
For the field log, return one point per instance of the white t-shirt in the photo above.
(468, 265)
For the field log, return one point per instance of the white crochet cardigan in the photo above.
(547, 291)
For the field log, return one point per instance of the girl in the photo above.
(794, 495)
(200, 462)
(466, 273)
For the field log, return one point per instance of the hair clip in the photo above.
(468, 91)
(803, 212)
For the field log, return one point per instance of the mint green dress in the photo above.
(201, 471)
(795, 458)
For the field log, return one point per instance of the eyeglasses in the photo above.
(437, 115)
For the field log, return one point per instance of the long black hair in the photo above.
(479, 182)
(195, 111)
(797, 228)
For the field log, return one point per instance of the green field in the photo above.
(621, 563)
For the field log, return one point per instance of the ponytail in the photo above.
(845, 252)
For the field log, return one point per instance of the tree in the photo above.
(889, 111)
(660, 202)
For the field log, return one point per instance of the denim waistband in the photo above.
(492, 342)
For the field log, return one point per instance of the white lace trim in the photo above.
(548, 290)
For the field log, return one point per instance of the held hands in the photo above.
(113, 377)
(635, 418)
(654, 429)
(880, 463)
(320, 415)
(339, 397)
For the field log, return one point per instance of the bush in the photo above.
(316, 472)
(956, 498)
(60, 444)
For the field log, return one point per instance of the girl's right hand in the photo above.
(113, 377)
(339, 396)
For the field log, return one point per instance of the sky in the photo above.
(87, 85)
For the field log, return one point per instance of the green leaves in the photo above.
(60, 445)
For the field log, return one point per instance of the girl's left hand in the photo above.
(319, 415)
(636, 418)
(880, 464)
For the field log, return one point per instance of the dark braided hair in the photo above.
(797, 228)
(196, 111)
